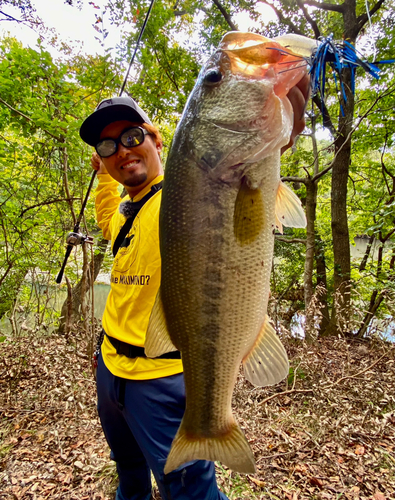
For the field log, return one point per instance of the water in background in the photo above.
(28, 317)
(57, 295)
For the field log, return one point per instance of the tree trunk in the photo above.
(76, 294)
(377, 297)
(339, 223)
(340, 235)
(311, 204)
(311, 207)
(322, 284)
(364, 261)
(375, 302)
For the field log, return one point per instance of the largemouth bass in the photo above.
(222, 200)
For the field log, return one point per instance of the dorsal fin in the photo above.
(289, 211)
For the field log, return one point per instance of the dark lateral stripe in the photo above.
(210, 331)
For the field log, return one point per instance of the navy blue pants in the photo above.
(140, 419)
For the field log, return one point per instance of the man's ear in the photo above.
(159, 148)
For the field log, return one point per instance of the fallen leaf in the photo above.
(315, 482)
(78, 464)
(259, 483)
(379, 496)
(359, 450)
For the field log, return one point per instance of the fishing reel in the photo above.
(75, 239)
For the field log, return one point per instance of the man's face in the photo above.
(134, 167)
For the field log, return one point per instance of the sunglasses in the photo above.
(129, 138)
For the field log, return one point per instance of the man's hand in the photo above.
(97, 164)
(298, 97)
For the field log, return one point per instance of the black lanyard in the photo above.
(136, 206)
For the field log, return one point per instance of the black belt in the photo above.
(133, 351)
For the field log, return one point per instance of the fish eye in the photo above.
(212, 76)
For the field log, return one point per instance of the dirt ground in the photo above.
(328, 432)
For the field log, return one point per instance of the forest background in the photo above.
(342, 167)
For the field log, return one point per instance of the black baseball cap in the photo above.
(108, 111)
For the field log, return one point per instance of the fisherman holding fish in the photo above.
(141, 400)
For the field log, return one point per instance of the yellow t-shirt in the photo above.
(135, 279)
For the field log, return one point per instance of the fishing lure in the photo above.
(339, 56)
(318, 54)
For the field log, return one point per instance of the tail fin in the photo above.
(232, 449)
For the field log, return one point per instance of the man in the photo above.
(141, 401)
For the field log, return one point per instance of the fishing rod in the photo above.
(76, 238)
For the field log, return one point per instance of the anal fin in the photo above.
(157, 340)
(267, 362)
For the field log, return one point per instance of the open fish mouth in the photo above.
(253, 56)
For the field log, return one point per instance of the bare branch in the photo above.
(326, 119)
(10, 265)
(28, 119)
(226, 15)
(326, 6)
(384, 94)
(364, 18)
(383, 166)
(356, 375)
(45, 203)
(10, 18)
(364, 261)
(303, 180)
(324, 171)
(290, 240)
(292, 391)
(282, 18)
(309, 19)
(165, 70)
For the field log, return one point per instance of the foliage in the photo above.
(44, 166)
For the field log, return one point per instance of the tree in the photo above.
(347, 21)
(178, 37)
(45, 167)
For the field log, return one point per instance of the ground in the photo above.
(328, 432)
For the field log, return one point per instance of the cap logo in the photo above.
(107, 102)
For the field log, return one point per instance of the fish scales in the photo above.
(217, 220)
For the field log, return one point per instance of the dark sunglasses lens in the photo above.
(106, 148)
(132, 137)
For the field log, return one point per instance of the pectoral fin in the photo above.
(158, 340)
(267, 363)
(249, 215)
(289, 211)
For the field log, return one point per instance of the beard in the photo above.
(135, 180)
